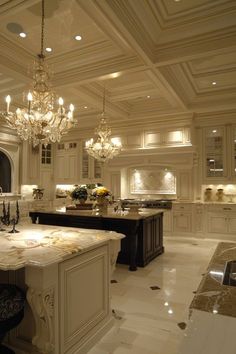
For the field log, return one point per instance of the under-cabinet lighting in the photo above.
(214, 131)
(211, 160)
(215, 272)
(216, 169)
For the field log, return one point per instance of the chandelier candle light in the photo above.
(40, 121)
(104, 148)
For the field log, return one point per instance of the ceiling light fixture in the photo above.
(78, 38)
(40, 121)
(104, 148)
(213, 83)
(48, 49)
(22, 34)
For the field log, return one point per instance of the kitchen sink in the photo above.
(229, 277)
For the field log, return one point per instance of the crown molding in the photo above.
(195, 47)
(13, 6)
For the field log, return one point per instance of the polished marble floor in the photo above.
(151, 304)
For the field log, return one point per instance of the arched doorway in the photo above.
(5, 173)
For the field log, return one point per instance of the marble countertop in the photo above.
(212, 295)
(42, 245)
(142, 213)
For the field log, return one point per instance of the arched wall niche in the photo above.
(10, 147)
(5, 173)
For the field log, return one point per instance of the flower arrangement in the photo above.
(100, 191)
(80, 192)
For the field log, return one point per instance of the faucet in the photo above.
(0, 190)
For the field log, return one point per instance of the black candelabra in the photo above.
(6, 217)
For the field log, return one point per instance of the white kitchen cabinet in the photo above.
(30, 164)
(91, 169)
(167, 221)
(219, 154)
(184, 185)
(215, 153)
(182, 218)
(66, 163)
(221, 219)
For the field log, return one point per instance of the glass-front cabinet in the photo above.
(91, 169)
(219, 157)
(215, 152)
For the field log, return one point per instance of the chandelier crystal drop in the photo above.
(104, 148)
(44, 118)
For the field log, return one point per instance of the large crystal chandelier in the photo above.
(104, 148)
(43, 120)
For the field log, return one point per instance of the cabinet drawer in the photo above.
(182, 207)
(222, 208)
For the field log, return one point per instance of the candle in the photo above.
(30, 98)
(60, 101)
(8, 100)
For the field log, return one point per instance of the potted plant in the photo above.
(101, 194)
(80, 194)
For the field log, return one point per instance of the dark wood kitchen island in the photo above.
(143, 230)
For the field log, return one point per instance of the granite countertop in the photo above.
(142, 213)
(212, 295)
(42, 245)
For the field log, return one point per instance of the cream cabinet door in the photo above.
(182, 222)
(232, 224)
(167, 221)
(218, 223)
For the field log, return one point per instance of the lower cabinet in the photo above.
(150, 239)
(182, 222)
(221, 223)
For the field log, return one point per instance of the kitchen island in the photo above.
(212, 325)
(66, 274)
(143, 229)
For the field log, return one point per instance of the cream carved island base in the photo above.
(67, 276)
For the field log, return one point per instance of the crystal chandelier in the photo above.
(104, 148)
(40, 121)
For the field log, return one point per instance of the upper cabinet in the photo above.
(91, 169)
(219, 154)
(215, 146)
(66, 163)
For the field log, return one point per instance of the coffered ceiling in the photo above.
(155, 58)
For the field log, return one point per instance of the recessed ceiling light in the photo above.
(148, 96)
(213, 83)
(214, 131)
(85, 107)
(22, 34)
(78, 37)
(48, 49)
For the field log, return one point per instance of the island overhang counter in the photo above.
(143, 229)
(66, 274)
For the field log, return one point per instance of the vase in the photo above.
(208, 195)
(102, 204)
(220, 195)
